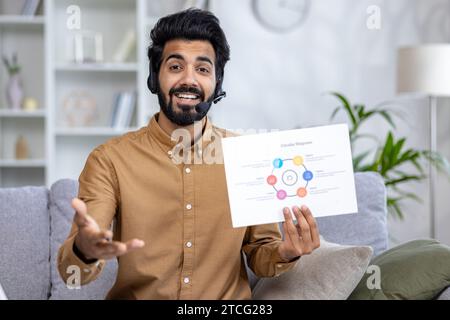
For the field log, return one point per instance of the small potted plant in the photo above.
(14, 90)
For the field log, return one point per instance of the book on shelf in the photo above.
(30, 7)
(123, 109)
(126, 47)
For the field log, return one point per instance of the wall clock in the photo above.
(281, 15)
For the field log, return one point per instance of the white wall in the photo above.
(278, 80)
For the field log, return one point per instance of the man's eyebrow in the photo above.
(205, 59)
(180, 57)
(175, 56)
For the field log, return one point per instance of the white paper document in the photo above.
(270, 171)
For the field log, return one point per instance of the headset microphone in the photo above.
(203, 107)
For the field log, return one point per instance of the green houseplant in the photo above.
(391, 158)
(14, 88)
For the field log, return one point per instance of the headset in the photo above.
(152, 83)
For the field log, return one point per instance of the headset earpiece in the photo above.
(152, 81)
(219, 94)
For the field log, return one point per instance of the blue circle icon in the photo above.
(307, 175)
(277, 163)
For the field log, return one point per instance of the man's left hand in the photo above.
(300, 239)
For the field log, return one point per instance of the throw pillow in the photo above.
(418, 269)
(331, 272)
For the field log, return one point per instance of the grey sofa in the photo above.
(34, 221)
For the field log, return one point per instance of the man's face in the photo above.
(186, 78)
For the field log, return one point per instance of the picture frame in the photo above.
(87, 47)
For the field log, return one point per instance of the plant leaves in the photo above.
(358, 159)
(391, 157)
(335, 111)
(347, 107)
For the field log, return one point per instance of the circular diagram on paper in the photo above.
(289, 177)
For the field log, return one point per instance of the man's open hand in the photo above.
(299, 239)
(95, 243)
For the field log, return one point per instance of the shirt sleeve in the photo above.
(260, 245)
(98, 188)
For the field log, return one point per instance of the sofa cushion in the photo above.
(368, 226)
(24, 238)
(61, 216)
(330, 272)
(415, 270)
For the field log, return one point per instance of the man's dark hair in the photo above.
(190, 24)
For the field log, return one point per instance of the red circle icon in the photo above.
(272, 180)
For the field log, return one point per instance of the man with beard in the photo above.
(173, 236)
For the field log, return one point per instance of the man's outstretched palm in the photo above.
(95, 243)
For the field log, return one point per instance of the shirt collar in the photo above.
(168, 143)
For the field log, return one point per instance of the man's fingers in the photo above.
(107, 250)
(79, 206)
(315, 235)
(291, 229)
(95, 237)
(135, 244)
(97, 243)
(81, 218)
(303, 226)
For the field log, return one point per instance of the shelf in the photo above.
(31, 163)
(14, 20)
(92, 131)
(44, 44)
(6, 113)
(97, 67)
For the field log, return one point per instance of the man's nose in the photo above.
(189, 78)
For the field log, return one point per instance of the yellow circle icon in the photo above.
(298, 161)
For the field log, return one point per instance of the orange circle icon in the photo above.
(301, 192)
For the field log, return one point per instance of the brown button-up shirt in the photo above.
(181, 210)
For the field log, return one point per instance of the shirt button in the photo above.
(186, 280)
(188, 244)
(189, 206)
(188, 170)
(169, 153)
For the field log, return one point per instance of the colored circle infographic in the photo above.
(289, 177)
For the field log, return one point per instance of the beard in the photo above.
(187, 114)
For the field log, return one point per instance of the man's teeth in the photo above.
(187, 96)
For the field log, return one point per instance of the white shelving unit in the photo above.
(6, 113)
(34, 163)
(57, 149)
(92, 131)
(17, 20)
(99, 67)
(26, 37)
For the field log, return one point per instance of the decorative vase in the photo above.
(14, 92)
(22, 151)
